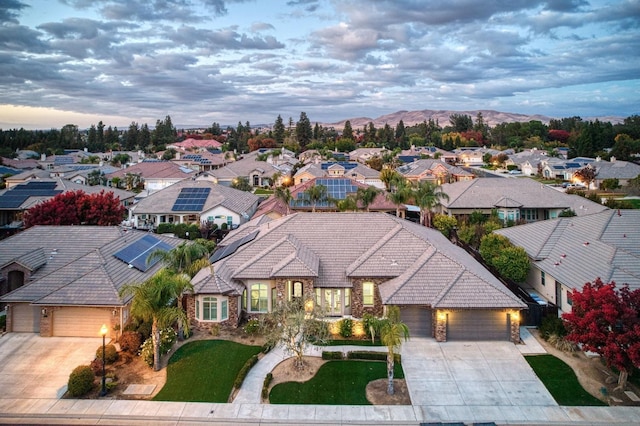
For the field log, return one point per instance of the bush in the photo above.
(144, 328)
(165, 228)
(110, 353)
(3, 322)
(130, 341)
(368, 320)
(552, 325)
(372, 356)
(96, 366)
(252, 326)
(332, 355)
(265, 385)
(244, 371)
(346, 327)
(80, 381)
(168, 337)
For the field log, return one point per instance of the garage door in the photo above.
(79, 322)
(478, 325)
(418, 319)
(25, 318)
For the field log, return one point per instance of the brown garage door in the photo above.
(25, 318)
(79, 322)
(477, 325)
(418, 319)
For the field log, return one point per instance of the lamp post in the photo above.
(103, 332)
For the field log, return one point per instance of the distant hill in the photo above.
(410, 118)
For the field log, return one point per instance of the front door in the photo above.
(333, 301)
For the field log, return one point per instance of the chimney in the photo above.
(43, 157)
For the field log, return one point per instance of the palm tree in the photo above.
(387, 176)
(392, 333)
(184, 259)
(153, 300)
(349, 203)
(316, 194)
(400, 194)
(284, 194)
(427, 196)
(366, 196)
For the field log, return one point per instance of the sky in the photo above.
(224, 61)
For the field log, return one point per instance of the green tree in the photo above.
(510, 261)
(152, 301)
(586, 175)
(316, 194)
(445, 224)
(392, 333)
(427, 196)
(610, 184)
(186, 258)
(400, 193)
(279, 131)
(348, 204)
(284, 194)
(347, 132)
(304, 132)
(366, 196)
(169, 154)
(461, 122)
(241, 183)
(388, 175)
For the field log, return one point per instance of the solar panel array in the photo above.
(191, 199)
(337, 189)
(196, 157)
(13, 198)
(346, 164)
(224, 251)
(63, 159)
(136, 253)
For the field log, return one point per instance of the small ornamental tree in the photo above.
(77, 208)
(586, 175)
(605, 320)
(510, 261)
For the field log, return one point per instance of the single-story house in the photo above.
(353, 170)
(566, 253)
(258, 173)
(514, 199)
(64, 280)
(352, 264)
(436, 171)
(194, 201)
(155, 174)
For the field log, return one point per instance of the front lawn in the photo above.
(335, 383)
(204, 371)
(561, 381)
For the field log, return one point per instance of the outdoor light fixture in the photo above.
(44, 312)
(442, 316)
(103, 331)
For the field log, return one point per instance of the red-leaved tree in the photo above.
(606, 320)
(77, 208)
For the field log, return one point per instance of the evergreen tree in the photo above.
(278, 131)
(304, 132)
(347, 132)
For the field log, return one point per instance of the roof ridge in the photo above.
(417, 265)
(374, 248)
(447, 288)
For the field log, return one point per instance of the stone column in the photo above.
(441, 326)
(515, 326)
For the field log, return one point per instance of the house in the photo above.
(624, 171)
(353, 170)
(195, 145)
(155, 174)
(194, 201)
(362, 155)
(564, 169)
(203, 161)
(566, 253)
(513, 199)
(20, 198)
(64, 280)
(435, 171)
(258, 173)
(470, 156)
(353, 264)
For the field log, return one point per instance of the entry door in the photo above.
(558, 295)
(333, 301)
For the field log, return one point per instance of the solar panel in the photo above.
(224, 251)
(13, 198)
(136, 253)
(191, 199)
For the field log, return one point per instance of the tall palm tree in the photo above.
(400, 194)
(387, 176)
(316, 194)
(152, 300)
(366, 196)
(284, 194)
(183, 259)
(391, 335)
(427, 196)
(349, 203)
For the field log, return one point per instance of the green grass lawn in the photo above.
(561, 381)
(335, 383)
(204, 371)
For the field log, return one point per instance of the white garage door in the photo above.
(79, 322)
(25, 318)
(477, 325)
(418, 319)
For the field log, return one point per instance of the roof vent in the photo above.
(586, 243)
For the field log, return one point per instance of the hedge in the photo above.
(331, 355)
(372, 355)
(244, 371)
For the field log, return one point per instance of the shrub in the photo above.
(96, 366)
(372, 356)
(265, 385)
(130, 341)
(244, 371)
(346, 327)
(332, 355)
(165, 228)
(3, 322)
(561, 343)
(551, 325)
(80, 381)
(368, 320)
(252, 326)
(144, 328)
(167, 339)
(215, 330)
(110, 353)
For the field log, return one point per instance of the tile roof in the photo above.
(153, 170)
(80, 268)
(162, 201)
(616, 170)
(419, 167)
(577, 250)
(421, 263)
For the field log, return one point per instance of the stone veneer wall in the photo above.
(515, 328)
(281, 288)
(357, 307)
(233, 320)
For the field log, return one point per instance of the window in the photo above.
(294, 290)
(259, 298)
(367, 294)
(207, 308)
(347, 298)
(569, 299)
(542, 277)
(224, 310)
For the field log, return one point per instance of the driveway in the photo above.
(475, 375)
(38, 367)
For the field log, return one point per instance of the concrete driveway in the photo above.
(472, 377)
(38, 367)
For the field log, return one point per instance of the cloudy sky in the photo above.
(205, 61)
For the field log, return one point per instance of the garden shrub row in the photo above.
(332, 355)
(265, 385)
(244, 371)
